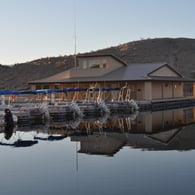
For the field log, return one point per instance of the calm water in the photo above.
(147, 153)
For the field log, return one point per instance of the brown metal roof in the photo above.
(133, 72)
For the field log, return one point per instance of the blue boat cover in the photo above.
(46, 91)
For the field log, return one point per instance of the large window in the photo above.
(96, 63)
(188, 89)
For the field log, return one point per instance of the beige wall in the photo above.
(156, 90)
(33, 87)
(178, 89)
(166, 90)
(140, 90)
(164, 71)
(147, 90)
(114, 63)
(111, 64)
(79, 72)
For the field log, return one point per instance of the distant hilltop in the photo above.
(179, 53)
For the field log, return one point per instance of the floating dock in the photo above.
(93, 105)
(157, 105)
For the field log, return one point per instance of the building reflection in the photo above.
(162, 130)
(163, 120)
(106, 135)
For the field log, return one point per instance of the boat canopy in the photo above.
(65, 90)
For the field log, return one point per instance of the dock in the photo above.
(85, 103)
(41, 106)
(157, 105)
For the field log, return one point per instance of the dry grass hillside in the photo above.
(179, 53)
(18, 76)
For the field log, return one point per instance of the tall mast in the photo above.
(75, 35)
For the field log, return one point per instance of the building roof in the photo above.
(133, 72)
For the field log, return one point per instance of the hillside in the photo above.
(18, 76)
(179, 53)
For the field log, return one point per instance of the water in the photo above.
(151, 153)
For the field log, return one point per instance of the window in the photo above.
(93, 63)
(104, 64)
(46, 87)
(188, 89)
(56, 86)
(38, 86)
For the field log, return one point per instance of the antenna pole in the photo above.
(75, 36)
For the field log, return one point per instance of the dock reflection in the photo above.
(106, 135)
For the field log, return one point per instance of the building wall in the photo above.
(157, 91)
(164, 71)
(107, 64)
(178, 89)
(147, 95)
(140, 91)
(167, 90)
(33, 87)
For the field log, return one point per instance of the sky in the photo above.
(33, 29)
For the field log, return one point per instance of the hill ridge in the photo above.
(177, 52)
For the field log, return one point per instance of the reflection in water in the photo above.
(51, 138)
(24, 143)
(109, 144)
(9, 124)
(20, 143)
(8, 132)
(162, 130)
(58, 158)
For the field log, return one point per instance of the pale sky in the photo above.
(32, 29)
